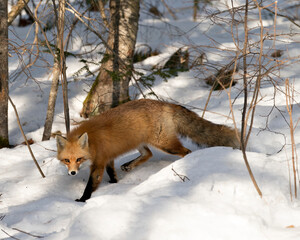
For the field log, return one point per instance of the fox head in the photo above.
(73, 153)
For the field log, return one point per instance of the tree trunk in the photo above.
(59, 69)
(195, 10)
(3, 75)
(60, 44)
(51, 100)
(111, 85)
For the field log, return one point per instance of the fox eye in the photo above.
(67, 160)
(79, 159)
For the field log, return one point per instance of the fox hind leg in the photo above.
(110, 169)
(173, 147)
(145, 155)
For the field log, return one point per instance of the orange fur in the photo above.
(134, 125)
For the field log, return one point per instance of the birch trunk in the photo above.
(111, 85)
(51, 101)
(59, 69)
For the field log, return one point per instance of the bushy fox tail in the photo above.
(204, 132)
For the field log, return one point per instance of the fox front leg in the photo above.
(93, 183)
(87, 191)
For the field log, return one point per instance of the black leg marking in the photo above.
(87, 192)
(112, 174)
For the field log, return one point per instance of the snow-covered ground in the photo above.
(217, 200)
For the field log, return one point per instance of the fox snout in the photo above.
(73, 168)
(73, 173)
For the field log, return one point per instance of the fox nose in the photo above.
(73, 173)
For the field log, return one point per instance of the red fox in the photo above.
(135, 125)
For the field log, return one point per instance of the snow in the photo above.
(216, 200)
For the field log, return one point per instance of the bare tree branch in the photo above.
(30, 234)
(183, 178)
(244, 122)
(25, 138)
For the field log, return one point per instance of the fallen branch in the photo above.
(10, 235)
(30, 234)
(182, 177)
(21, 129)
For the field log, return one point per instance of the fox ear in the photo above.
(60, 142)
(83, 140)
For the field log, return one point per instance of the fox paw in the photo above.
(79, 200)
(125, 168)
(113, 180)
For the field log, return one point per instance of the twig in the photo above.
(48, 149)
(244, 123)
(182, 177)
(41, 28)
(102, 13)
(169, 10)
(284, 16)
(30, 234)
(289, 107)
(290, 181)
(21, 129)
(10, 235)
(237, 133)
(208, 98)
(92, 29)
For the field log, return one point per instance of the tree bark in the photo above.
(59, 69)
(195, 10)
(60, 44)
(3, 75)
(51, 100)
(111, 85)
